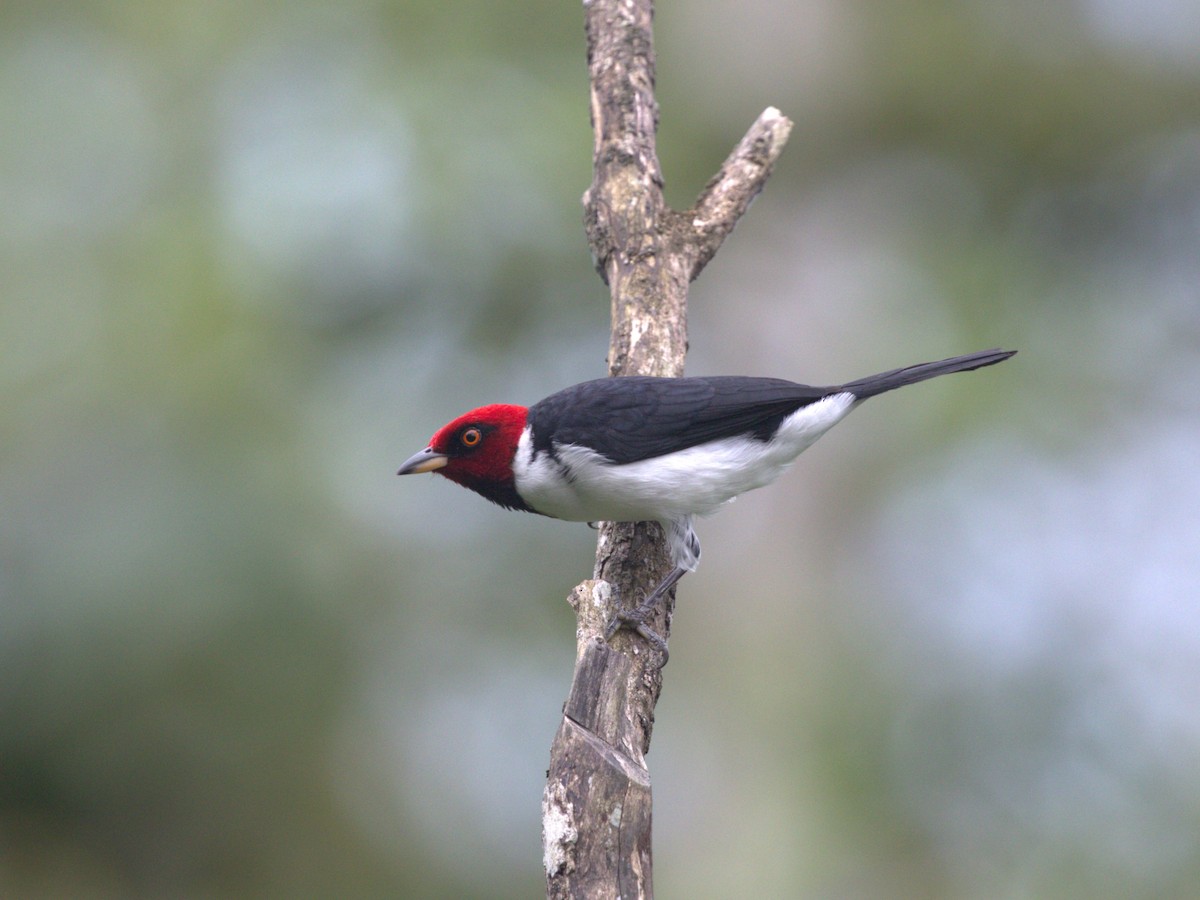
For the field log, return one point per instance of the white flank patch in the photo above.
(583, 486)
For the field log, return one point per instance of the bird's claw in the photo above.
(635, 620)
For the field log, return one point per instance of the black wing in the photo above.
(634, 418)
(639, 417)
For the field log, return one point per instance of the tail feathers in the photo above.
(887, 381)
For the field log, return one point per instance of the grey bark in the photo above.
(597, 802)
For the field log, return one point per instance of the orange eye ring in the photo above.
(471, 437)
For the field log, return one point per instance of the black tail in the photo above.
(887, 381)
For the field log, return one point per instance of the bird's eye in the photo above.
(471, 437)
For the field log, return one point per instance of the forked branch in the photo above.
(597, 803)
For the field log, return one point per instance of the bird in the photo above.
(647, 448)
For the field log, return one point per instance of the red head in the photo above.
(476, 450)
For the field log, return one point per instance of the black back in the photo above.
(639, 417)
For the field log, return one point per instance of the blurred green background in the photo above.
(253, 255)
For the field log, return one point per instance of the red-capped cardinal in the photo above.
(651, 449)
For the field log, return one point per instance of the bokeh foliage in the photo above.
(251, 255)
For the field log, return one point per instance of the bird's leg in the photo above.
(635, 619)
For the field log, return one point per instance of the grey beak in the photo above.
(428, 460)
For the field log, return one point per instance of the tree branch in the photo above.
(597, 802)
(730, 192)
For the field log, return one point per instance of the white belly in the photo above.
(582, 486)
